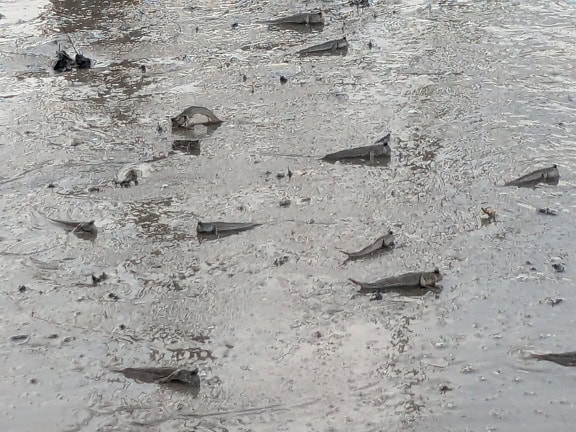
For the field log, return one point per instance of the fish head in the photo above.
(86, 231)
(437, 275)
(342, 43)
(430, 279)
(179, 121)
(389, 238)
(188, 376)
(553, 172)
(132, 175)
(205, 228)
(90, 227)
(316, 17)
(384, 140)
(385, 149)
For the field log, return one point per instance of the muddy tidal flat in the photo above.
(101, 195)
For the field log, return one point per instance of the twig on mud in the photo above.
(70, 39)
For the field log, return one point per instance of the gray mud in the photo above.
(475, 93)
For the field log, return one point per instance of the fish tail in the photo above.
(537, 356)
(354, 281)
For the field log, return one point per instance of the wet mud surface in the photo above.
(474, 94)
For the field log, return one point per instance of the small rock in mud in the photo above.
(280, 175)
(22, 288)
(97, 279)
(316, 334)
(113, 296)
(285, 202)
(558, 267)
(51, 186)
(20, 338)
(444, 388)
(235, 25)
(283, 79)
(281, 260)
(93, 189)
(33, 381)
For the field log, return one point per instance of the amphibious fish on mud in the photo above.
(307, 18)
(407, 280)
(381, 243)
(336, 46)
(378, 153)
(186, 118)
(563, 359)
(82, 230)
(224, 228)
(162, 375)
(372, 152)
(549, 175)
